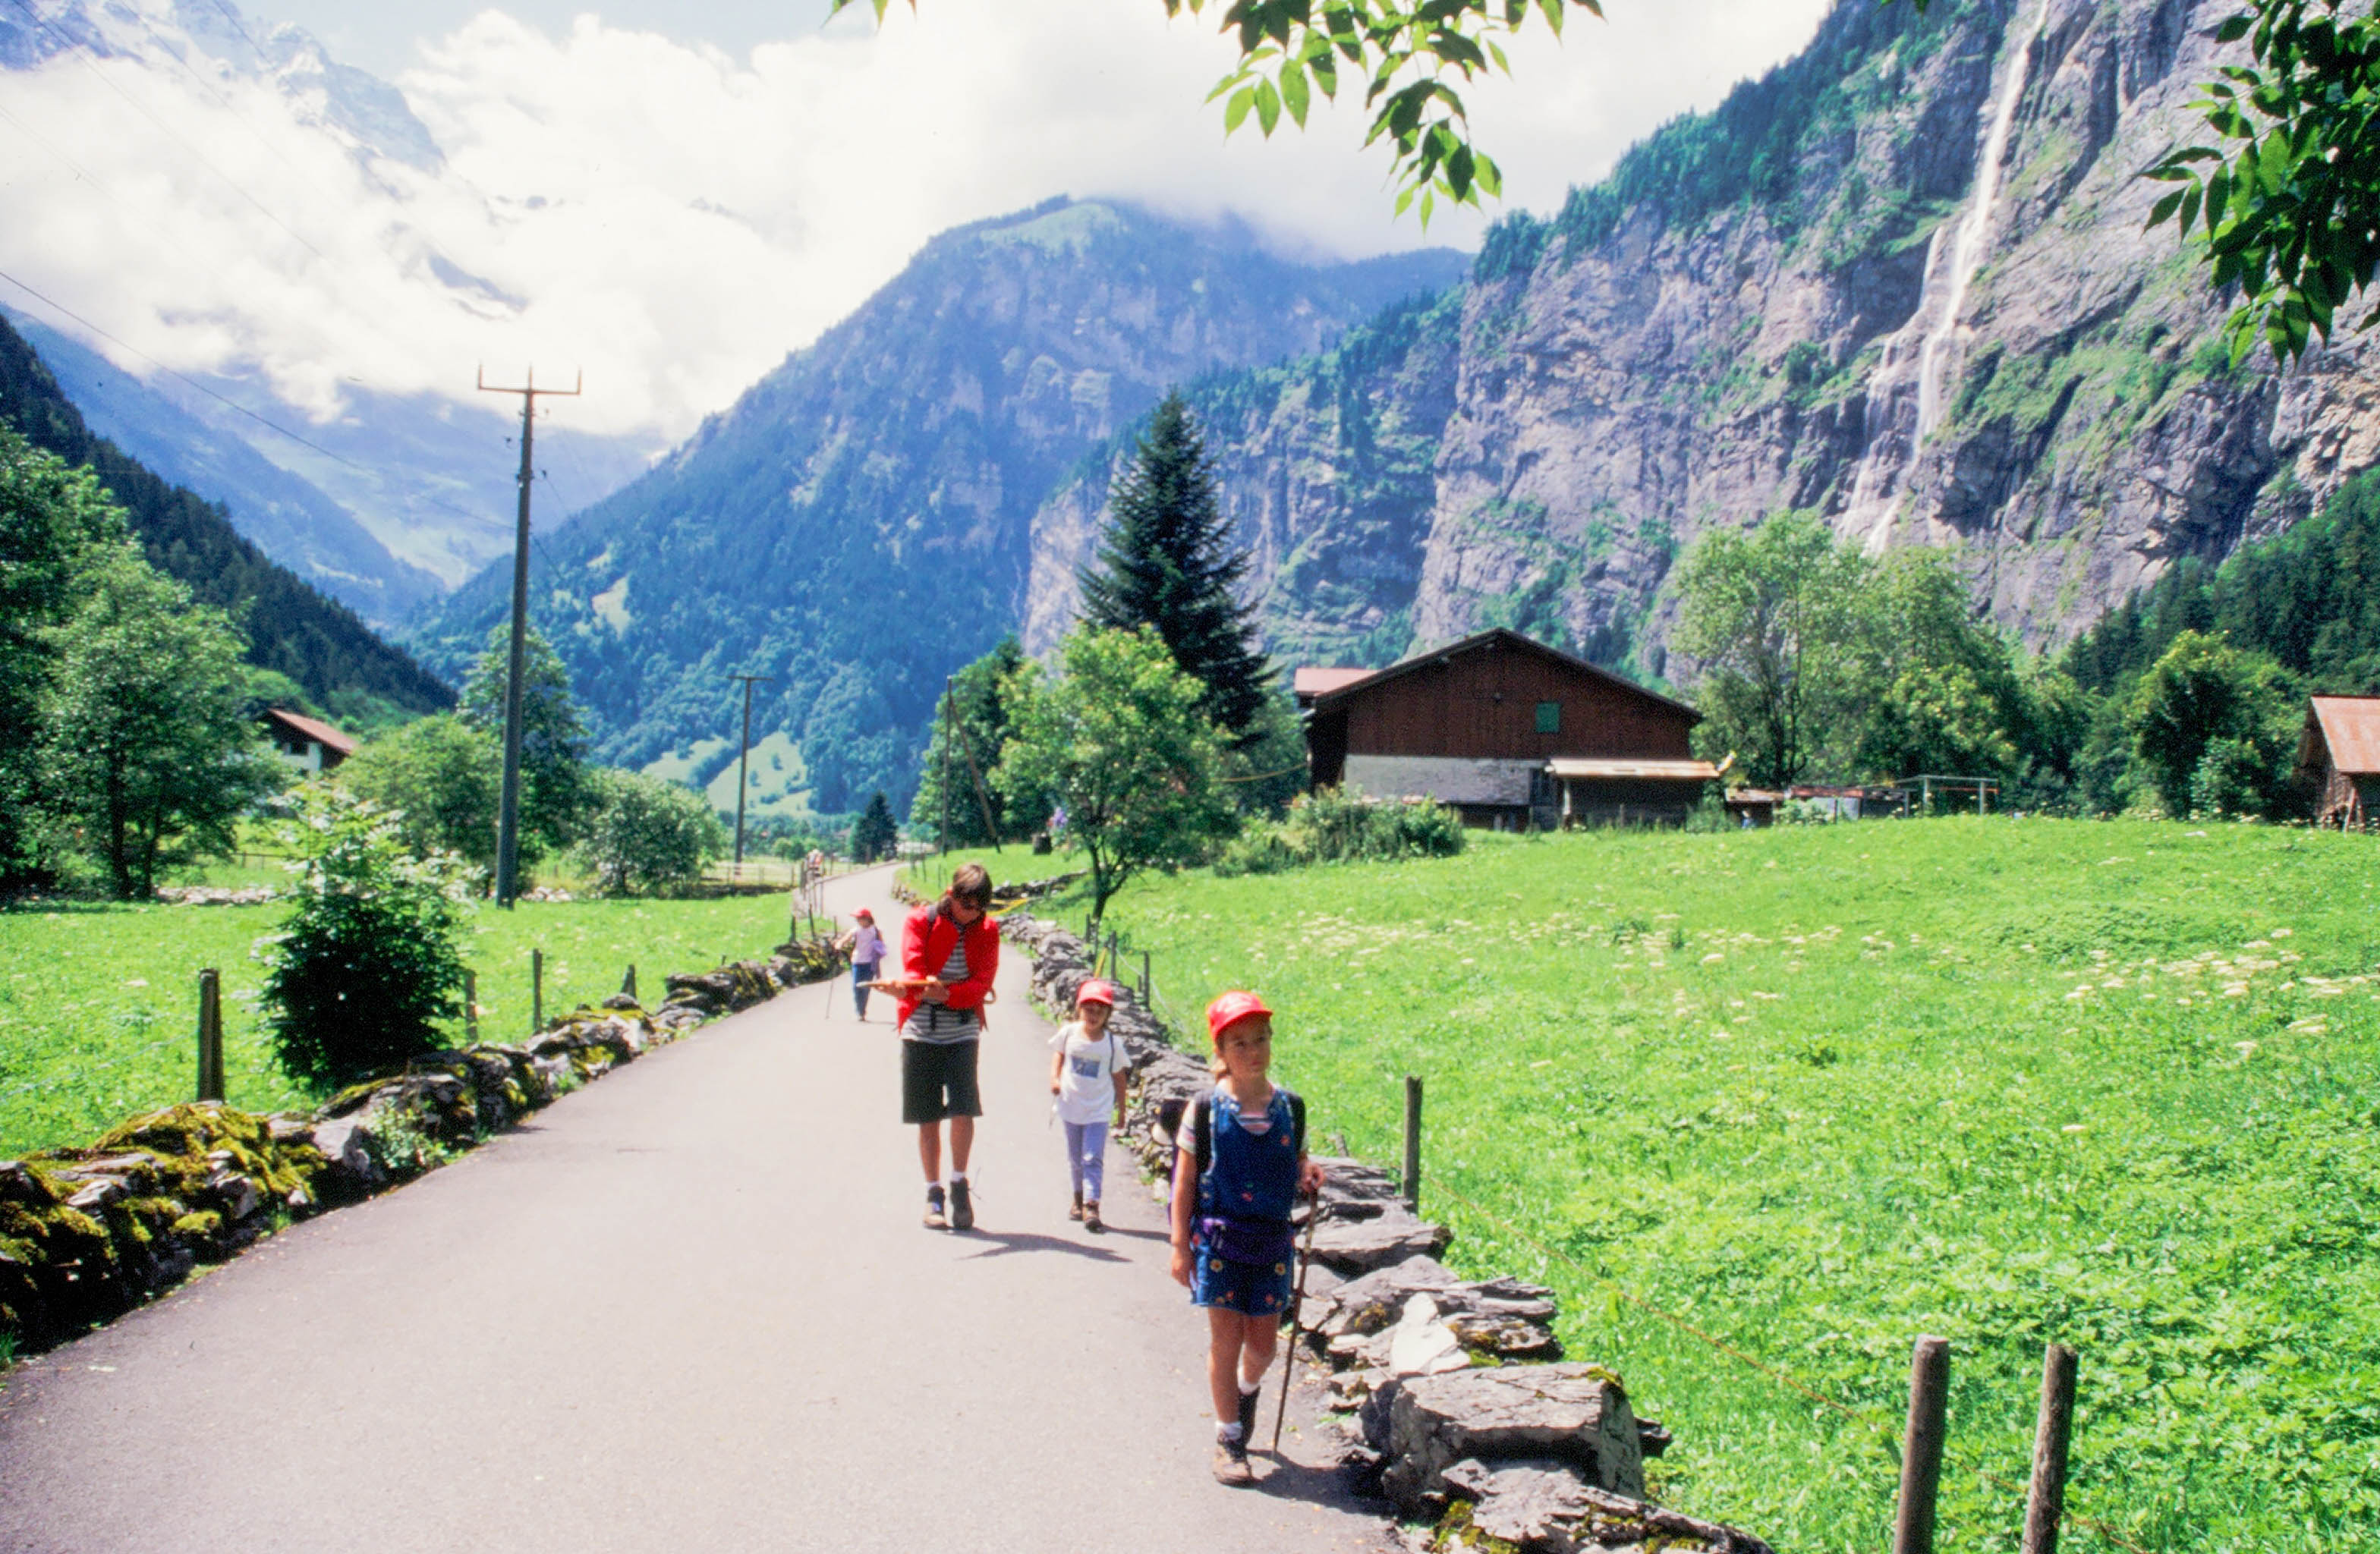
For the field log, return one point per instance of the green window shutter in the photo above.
(1548, 717)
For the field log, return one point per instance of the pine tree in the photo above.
(874, 835)
(1167, 564)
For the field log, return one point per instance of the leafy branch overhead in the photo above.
(2287, 200)
(1411, 60)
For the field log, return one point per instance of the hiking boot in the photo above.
(934, 1221)
(1231, 1464)
(962, 1207)
(1076, 1212)
(1248, 1414)
(1091, 1221)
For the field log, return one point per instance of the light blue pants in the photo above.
(1087, 1157)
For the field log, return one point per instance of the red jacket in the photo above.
(926, 940)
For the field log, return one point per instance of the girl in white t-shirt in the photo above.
(1088, 1078)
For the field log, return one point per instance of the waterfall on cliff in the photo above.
(1892, 441)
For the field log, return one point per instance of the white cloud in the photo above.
(674, 218)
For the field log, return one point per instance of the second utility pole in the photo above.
(508, 806)
(743, 755)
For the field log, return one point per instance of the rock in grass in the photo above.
(1575, 1414)
(1544, 1506)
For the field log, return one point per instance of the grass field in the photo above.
(99, 1003)
(1815, 1091)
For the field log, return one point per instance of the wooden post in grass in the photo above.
(536, 992)
(2045, 1501)
(211, 1060)
(1413, 1142)
(471, 1007)
(1148, 987)
(628, 983)
(1921, 1448)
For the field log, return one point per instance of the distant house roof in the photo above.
(1314, 681)
(1566, 767)
(2350, 726)
(1359, 681)
(312, 728)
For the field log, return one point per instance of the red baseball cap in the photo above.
(1095, 991)
(1229, 1010)
(864, 915)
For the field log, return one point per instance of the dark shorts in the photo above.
(938, 1081)
(1258, 1289)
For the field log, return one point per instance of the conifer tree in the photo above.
(1167, 564)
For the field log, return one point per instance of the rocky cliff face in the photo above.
(855, 525)
(1902, 281)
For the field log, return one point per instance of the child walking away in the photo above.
(866, 957)
(1088, 1078)
(1238, 1170)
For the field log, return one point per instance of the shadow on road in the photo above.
(1029, 1241)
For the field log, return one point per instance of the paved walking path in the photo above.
(687, 1308)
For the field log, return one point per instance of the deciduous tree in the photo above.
(553, 735)
(437, 778)
(146, 746)
(1121, 740)
(645, 835)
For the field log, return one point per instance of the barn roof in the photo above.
(312, 728)
(2350, 726)
(1342, 691)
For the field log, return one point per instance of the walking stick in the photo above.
(1296, 1315)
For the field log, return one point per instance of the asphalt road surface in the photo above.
(688, 1307)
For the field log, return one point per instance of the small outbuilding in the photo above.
(2338, 760)
(1512, 733)
(306, 743)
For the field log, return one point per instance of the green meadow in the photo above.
(1813, 1092)
(99, 1003)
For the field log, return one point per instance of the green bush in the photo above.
(369, 959)
(1337, 825)
(647, 835)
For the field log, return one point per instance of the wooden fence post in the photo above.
(628, 983)
(536, 992)
(2045, 1501)
(1921, 1449)
(471, 1007)
(1413, 1142)
(211, 1060)
(1148, 987)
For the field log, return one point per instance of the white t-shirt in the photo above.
(1086, 1077)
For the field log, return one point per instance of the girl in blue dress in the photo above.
(1237, 1173)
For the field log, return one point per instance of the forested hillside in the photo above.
(317, 642)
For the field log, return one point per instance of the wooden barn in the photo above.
(1512, 733)
(2338, 760)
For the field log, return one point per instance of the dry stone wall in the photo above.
(1462, 1409)
(88, 1233)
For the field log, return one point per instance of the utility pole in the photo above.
(743, 755)
(509, 808)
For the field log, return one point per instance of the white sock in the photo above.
(957, 1176)
(1228, 1432)
(1247, 1386)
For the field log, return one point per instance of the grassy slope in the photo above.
(1821, 1090)
(98, 1005)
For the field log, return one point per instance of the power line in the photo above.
(226, 402)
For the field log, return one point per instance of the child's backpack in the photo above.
(1202, 1126)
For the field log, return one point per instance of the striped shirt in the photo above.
(939, 1023)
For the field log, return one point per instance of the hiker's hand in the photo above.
(1118, 1119)
(1053, 1086)
(1309, 1177)
(1181, 1268)
(933, 989)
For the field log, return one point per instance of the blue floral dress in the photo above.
(1242, 1246)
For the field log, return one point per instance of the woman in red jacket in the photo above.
(950, 951)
